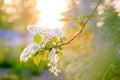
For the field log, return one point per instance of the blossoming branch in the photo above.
(47, 45)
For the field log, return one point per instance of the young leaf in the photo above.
(37, 58)
(44, 56)
(76, 19)
(61, 48)
(87, 15)
(81, 23)
(59, 54)
(49, 45)
(63, 40)
(63, 19)
(55, 39)
(37, 38)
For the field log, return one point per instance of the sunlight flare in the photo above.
(50, 12)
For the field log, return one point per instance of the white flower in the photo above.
(53, 58)
(37, 29)
(57, 32)
(54, 70)
(29, 50)
(45, 32)
(49, 65)
(52, 52)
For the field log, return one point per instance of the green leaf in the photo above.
(37, 38)
(37, 58)
(61, 48)
(44, 55)
(81, 23)
(76, 19)
(49, 45)
(59, 54)
(87, 15)
(55, 39)
(63, 19)
(63, 40)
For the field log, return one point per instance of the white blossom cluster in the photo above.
(35, 47)
(29, 50)
(37, 29)
(57, 32)
(53, 62)
(45, 32)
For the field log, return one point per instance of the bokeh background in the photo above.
(94, 55)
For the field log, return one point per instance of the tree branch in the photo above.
(81, 30)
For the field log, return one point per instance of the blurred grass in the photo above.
(10, 63)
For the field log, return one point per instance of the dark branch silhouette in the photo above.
(81, 30)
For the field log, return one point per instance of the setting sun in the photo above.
(50, 12)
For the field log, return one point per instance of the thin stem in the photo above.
(81, 30)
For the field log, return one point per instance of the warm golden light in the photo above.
(7, 1)
(50, 12)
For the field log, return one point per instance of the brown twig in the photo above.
(82, 26)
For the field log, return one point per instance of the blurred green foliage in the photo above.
(110, 36)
